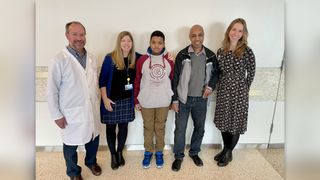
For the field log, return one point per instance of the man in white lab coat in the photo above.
(73, 98)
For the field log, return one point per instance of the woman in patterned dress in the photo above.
(236, 73)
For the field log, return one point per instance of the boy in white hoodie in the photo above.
(152, 95)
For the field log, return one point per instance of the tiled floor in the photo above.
(276, 158)
(247, 164)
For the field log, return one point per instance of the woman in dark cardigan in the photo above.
(116, 85)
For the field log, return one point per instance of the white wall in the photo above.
(105, 19)
(259, 121)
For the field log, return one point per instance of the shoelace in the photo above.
(147, 157)
(159, 155)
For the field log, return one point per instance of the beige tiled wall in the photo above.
(264, 86)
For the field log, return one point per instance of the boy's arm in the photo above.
(172, 70)
(168, 57)
(137, 79)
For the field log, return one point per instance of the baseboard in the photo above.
(168, 147)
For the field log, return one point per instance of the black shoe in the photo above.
(121, 160)
(218, 156)
(225, 159)
(176, 165)
(196, 159)
(114, 162)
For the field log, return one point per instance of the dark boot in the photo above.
(121, 160)
(114, 162)
(218, 156)
(226, 158)
(232, 140)
(226, 137)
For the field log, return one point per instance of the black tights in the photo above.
(230, 140)
(111, 136)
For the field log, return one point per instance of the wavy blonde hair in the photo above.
(117, 55)
(242, 43)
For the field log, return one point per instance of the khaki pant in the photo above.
(154, 121)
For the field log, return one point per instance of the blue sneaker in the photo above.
(159, 159)
(147, 159)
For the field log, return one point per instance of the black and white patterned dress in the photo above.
(235, 78)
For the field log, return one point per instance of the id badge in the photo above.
(128, 87)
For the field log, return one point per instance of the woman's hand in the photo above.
(108, 106)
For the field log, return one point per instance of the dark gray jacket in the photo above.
(182, 73)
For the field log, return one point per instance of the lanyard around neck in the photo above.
(127, 69)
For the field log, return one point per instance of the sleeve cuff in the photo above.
(209, 88)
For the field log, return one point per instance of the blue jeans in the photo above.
(71, 156)
(198, 108)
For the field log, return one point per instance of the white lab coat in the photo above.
(73, 93)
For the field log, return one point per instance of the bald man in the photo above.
(195, 76)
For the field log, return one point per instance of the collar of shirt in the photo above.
(191, 50)
(81, 60)
(76, 54)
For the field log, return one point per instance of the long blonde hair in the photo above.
(242, 43)
(117, 56)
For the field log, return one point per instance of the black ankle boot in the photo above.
(114, 162)
(225, 159)
(218, 156)
(121, 160)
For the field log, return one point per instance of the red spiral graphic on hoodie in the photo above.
(157, 71)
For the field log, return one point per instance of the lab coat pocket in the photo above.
(74, 115)
(75, 131)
